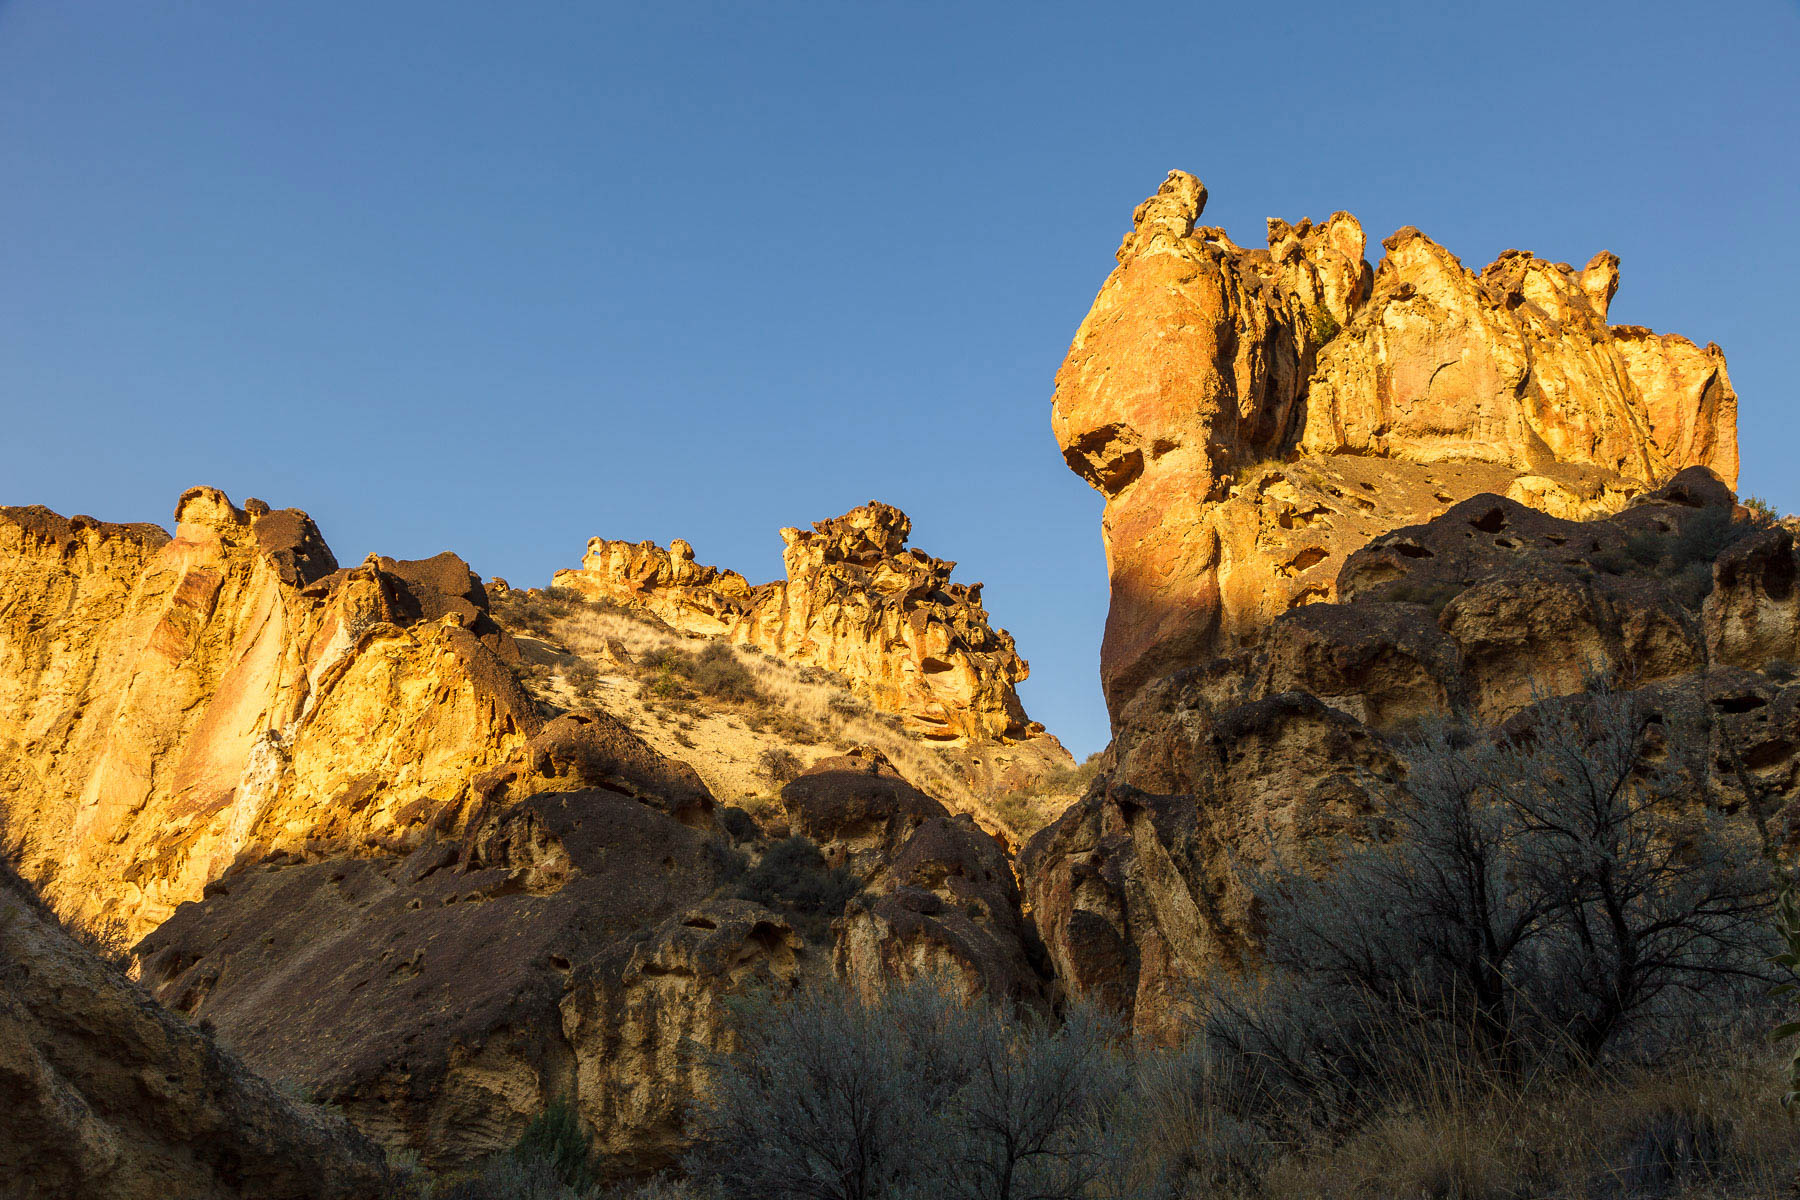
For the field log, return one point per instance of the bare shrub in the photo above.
(792, 877)
(716, 672)
(779, 765)
(913, 1093)
(509, 1177)
(1556, 895)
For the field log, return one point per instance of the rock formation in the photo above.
(1255, 416)
(573, 944)
(169, 706)
(941, 899)
(1478, 614)
(856, 601)
(580, 943)
(342, 835)
(1341, 501)
(106, 1096)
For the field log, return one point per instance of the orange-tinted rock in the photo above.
(857, 601)
(1476, 615)
(1254, 416)
(173, 705)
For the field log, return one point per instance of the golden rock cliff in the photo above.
(857, 600)
(1253, 416)
(320, 807)
(172, 705)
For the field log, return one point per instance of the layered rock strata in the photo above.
(172, 705)
(1254, 416)
(857, 600)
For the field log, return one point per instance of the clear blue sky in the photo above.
(498, 277)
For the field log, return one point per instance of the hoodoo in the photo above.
(1254, 416)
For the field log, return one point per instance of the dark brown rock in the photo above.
(105, 1095)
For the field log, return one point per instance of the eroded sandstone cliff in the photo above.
(339, 832)
(857, 600)
(579, 944)
(1254, 416)
(1342, 501)
(171, 706)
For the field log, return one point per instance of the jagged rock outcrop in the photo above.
(857, 601)
(107, 1096)
(342, 835)
(574, 943)
(1255, 416)
(1478, 615)
(170, 706)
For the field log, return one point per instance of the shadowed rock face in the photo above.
(1254, 416)
(574, 943)
(578, 937)
(1477, 614)
(107, 1096)
(856, 601)
(169, 706)
(359, 851)
(940, 897)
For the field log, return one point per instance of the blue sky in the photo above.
(499, 277)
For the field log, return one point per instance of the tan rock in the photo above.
(642, 1034)
(940, 896)
(946, 907)
(1253, 417)
(570, 943)
(856, 601)
(1753, 614)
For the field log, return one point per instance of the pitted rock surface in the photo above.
(858, 601)
(1255, 416)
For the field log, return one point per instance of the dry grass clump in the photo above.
(1032, 807)
(1704, 1125)
(715, 672)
